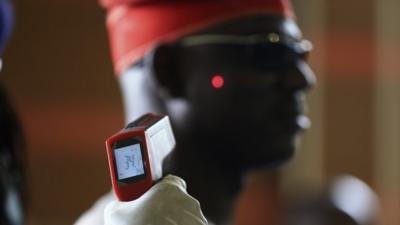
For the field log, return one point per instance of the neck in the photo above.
(212, 185)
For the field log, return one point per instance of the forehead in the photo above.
(255, 25)
(229, 55)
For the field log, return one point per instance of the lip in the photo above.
(295, 123)
(293, 113)
(303, 121)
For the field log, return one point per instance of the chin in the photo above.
(241, 150)
(269, 156)
(257, 152)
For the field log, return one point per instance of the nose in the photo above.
(299, 77)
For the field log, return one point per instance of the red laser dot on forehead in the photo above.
(217, 81)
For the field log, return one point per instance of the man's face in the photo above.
(242, 90)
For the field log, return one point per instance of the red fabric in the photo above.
(135, 26)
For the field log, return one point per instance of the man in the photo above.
(231, 74)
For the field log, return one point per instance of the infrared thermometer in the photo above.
(135, 155)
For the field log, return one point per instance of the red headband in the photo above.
(135, 26)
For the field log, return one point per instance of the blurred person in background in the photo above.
(231, 74)
(12, 144)
(347, 200)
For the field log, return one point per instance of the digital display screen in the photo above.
(129, 161)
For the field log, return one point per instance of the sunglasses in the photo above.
(269, 53)
(266, 51)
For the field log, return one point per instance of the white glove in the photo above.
(95, 215)
(166, 203)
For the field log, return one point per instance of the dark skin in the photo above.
(251, 124)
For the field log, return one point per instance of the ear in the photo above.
(163, 62)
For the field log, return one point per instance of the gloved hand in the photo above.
(165, 203)
(95, 215)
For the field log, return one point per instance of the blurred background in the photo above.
(57, 70)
